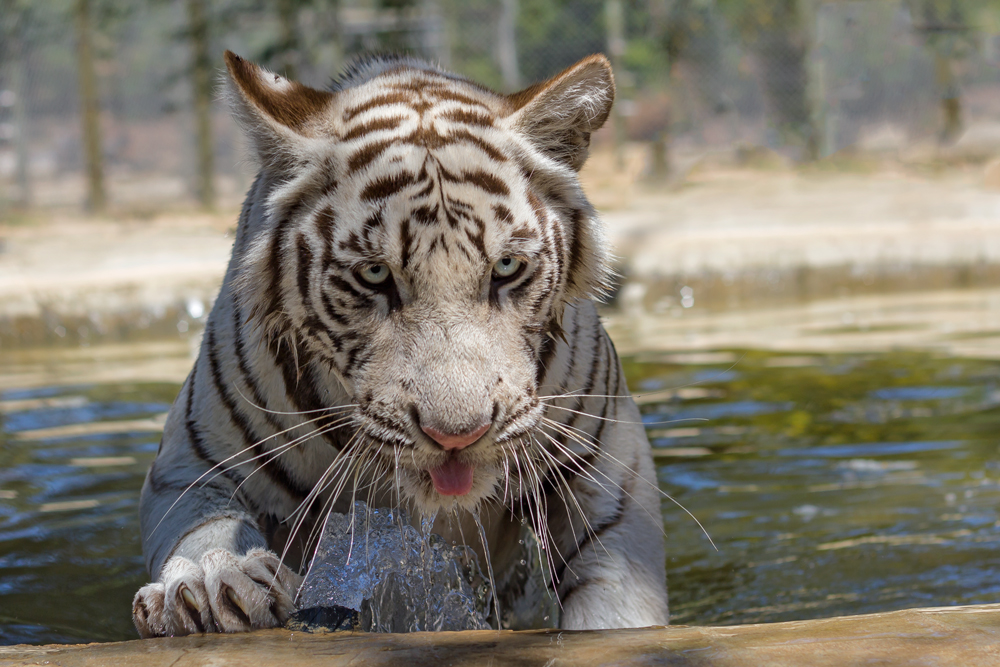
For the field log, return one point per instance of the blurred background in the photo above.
(114, 103)
(803, 197)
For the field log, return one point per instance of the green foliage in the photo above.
(647, 60)
(554, 34)
(752, 18)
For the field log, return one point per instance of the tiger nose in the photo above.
(455, 440)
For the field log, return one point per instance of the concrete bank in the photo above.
(744, 238)
(736, 239)
(967, 636)
(80, 281)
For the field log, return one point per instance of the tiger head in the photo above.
(419, 235)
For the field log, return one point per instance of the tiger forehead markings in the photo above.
(407, 314)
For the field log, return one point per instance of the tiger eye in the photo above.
(374, 274)
(506, 267)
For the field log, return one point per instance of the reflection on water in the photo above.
(831, 484)
(79, 429)
(851, 484)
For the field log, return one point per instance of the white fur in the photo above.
(454, 351)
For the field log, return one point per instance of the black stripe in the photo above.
(576, 249)
(559, 249)
(194, 435)
(486, 181)
(545, 354)
(277, 473)
(469, 117)
(478, 238)
(305, 257)
(368, 153)
(464, 136)
(406, 242)
(359, 298)
(425, 191)
(425, 215)
(570, 474)
(386, 186)
(519, 292)
(593, 534)
(442, 92)
(381, 100)
(374, 125)
(300, 385)
(241, 363)
(274, 260)
(503, 214)
(330, 311)
(352, 355)
(326, 222)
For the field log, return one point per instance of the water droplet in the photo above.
(195, 308)
(399, 578)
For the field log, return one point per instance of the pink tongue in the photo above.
(453, 478)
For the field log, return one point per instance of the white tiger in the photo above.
(407, 318)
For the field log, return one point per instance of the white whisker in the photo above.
(622, 421)
(600, 451)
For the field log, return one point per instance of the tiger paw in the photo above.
(221, 593)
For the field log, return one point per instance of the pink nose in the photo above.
(455, 440)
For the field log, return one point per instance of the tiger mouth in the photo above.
(453, 477)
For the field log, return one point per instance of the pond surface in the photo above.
(831, 484)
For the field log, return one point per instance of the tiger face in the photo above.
(421, 236)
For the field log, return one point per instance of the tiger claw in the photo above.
(189, 599)
(222, 593)
(235, 599)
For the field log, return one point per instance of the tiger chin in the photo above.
(408, 319)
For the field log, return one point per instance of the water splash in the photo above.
(399, 579)
(489, 564)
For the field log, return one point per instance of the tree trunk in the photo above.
(90, 111)
(19, 84)
(614, 15)
(659, 159)
(435, 34)
(951, 100)
(289, 39)
(201, 78)
(783, 49)
(819, 142)
(507, 45)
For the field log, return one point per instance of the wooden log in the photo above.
(967, 636)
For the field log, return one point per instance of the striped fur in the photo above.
(313, 386)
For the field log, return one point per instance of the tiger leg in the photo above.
(605, 518)
(211, 567)
(616, 577)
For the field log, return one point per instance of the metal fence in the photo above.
(803, 78)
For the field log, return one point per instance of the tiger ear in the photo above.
(278, 115)
(559, 115)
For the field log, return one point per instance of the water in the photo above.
(843, 484)
(399, 579)
(831, 484)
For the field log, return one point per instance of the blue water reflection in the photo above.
(854, 484)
